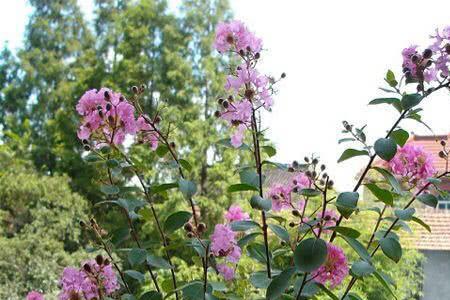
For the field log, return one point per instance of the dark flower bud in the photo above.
(107, 96)
(291, 169)
(443, 143)
(420, 87)
(111, 119)
(314, 174)
(249, 49)
(99, 259)
(106, 262)
(295, 189)
(257, 55)
(330, 183)
(295, 164)
(84, 141)
(405, 69)
(315, 161)
(296, 213)
(108, 106)
(414, 58)
(135, 89)
(220, 101)
(225, 104)
(99, 107)
(427, 53)
(241, 52)
(172, 145)
(324, 175)
(292, 224)
(442, 154)
(142, 87)
(82, 224)
(230, 98)
(283, 243)
(429, 63)
(249, 93)
(188, 227)
(327, 218)
(408, 74)
(322, 167)
(87, 147)
(190, 235)
(321, 182)
(217, 114)
(201, 227)
(157, 119)
(121, 99)
(87, 268)
(100, 113)
(283, 75)
(308, 173)
(306, 159)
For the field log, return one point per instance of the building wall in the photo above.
(437, 275)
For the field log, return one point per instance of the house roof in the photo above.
(438, 239)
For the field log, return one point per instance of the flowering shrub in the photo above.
(305, 215)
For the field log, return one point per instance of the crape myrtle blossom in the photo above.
(224, 245)
(432, 63)
(413, 164)
(236, 36)
(281, 195)
(335, 268)
(235, 213)
(33, 295)
(328, 220)
(147, 134)
(94, 278)
(226, 271)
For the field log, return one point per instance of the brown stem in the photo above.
(380, 217)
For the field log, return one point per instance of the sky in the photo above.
(335, 55)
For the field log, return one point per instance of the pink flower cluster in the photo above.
(224, 244)
(108, 117)
(249, 90)
(432, 62)
(335, 268)
(89, 281)
(235, 213)
(413, 164)
(281, 194)
(329, 219)
(236, 36)
(33, 295)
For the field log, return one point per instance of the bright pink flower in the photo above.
(235, 213)
(280, 196)
(235, 36)
(238, 112)
(223, 243)
(226, 271)
(238, 136)
(86, 281)
(33, 295)
(301, 181)
(413, 164)
(107, 117)
(335, 268)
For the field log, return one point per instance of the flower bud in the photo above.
(100, 113)
(190, 235)
(157, 119)
(330, 183)
(306, 159)
(315, 161)
(249, 93)
(295, 164)
(292, 224)
(443, 143)
(257, 55)
(217, 114)
(427, 53)
(220, 101)
(121, 99)
(106, 262)
(283, 75)
(135, 89)
(82, 224)
(201, 227)
(85, 142)
(442, 154)
(87, 147)
(291, 169)
(99, 259)
(249, 49)
(322, 167)
(107, 96)
(108, 106)
(172, 145)
(87, 268)
(188, 227)
(414, 58)
(241, 52)
(142, 87)
(225, 104)
(296, 213)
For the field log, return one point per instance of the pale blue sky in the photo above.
(335, 54)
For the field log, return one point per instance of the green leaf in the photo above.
(328, 292)
(105, 149)
(135, 275)
(346, 140)
(271, 151)
(361, 269)
(411, 100)
(247, 239)
(391, 248)
(260, 280)
(405, 214)
(188, 188)
(390, 179)
(250, 177)
(428, 199)
(257, 202)
(163, 187)
(352, 296)
(310, 254)
(345, 231)
(309, 192)
(346, 203)
(349, 153)
(127, 297)
(385, 281)
(151, 295)
(390, 78)
(358, 247)
(258, 252)
(384, 101)
(137, 256)
(422, 223)
(243, 225)
(400, 137)
(112, 163)
(385, 148)
(185, 164)
(162, 150)
(281, 232)
(110, 189)
(383, 195)
(158, 262)
(279, 284)
(240, 187)
(176, 221)
(193, 291)
(92, 158)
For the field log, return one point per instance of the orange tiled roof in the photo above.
(439, 238)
